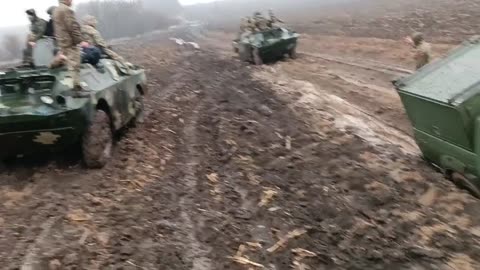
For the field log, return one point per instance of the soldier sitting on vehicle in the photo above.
(244, 25)
(273, 22)
(37, 30)
(422, 49)
(261, 24)
(93, 37)
(89, 55)
(249, 26)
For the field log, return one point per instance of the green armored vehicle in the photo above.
(267, 45)
(38, 112)
(442, 101)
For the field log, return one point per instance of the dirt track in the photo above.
(233, 159)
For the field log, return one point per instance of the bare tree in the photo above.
(12, 45)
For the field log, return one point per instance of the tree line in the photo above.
(11, 47)
(125, 18)
(116, 19)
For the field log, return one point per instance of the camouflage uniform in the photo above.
(243, 28)
(37, 30)
(250, 25)
(243, 25)
(422, 50)
(246, 27)
(93, 37)
(261, 24)
(49, 30)
(273, 19)
(69, 35)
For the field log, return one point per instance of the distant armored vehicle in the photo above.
(267, 45)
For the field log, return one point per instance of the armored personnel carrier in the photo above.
(38, 112)
(442, 101)
(268, 45)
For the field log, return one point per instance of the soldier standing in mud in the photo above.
(422, 50)
(69, 36)
(37, 30)
(93, 37)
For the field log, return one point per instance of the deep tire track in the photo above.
(330, 189)
(196, 253)
(185, 189)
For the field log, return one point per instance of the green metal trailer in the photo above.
(442, 101)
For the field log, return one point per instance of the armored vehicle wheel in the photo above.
(98, 141)
(257, 59)
(293, 53)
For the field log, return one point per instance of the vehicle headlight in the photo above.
(47, 100)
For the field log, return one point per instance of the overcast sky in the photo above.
(12, 13)
(190, 2)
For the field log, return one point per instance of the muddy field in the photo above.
(304, 164)
(442, 20)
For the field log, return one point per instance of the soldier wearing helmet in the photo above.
(422, 49)
(37, 30)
